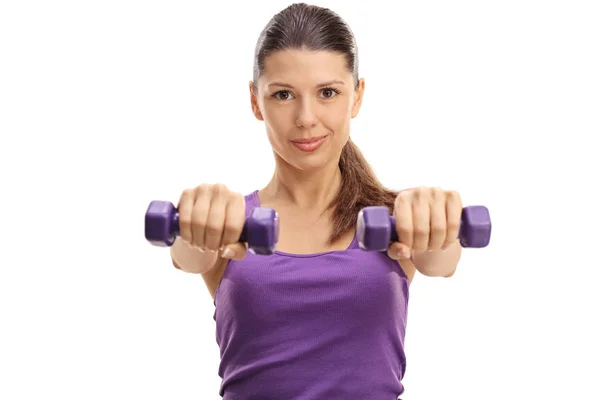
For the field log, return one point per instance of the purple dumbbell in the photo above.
(260, 231)
(376, 228)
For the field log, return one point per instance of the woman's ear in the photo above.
(254, 102)
(358, 96)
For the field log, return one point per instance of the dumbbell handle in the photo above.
(376, 229)
(260, 230)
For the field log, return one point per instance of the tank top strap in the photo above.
(251, 200)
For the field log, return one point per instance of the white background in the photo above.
(107, 105)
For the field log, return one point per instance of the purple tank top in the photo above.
(311, 326)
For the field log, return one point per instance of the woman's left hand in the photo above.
(427, 218)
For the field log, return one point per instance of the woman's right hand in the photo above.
(211, 220)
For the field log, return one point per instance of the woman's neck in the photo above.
(306, 190)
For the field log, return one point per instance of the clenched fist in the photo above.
(211, 218)
(427, 218)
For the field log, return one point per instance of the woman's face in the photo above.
(307, 96)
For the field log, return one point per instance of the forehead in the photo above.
(305, 65)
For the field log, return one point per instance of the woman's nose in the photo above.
(306, 117)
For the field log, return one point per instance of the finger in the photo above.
(199, 216)
(184, 209)
(235, 215)
(437, 229)
(236, 251)
(421, 224)
(453, 217)
(404, 218)
(398, 251)
(216, 218)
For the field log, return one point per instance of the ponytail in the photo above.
(360, 188)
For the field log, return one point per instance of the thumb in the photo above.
(399, 251)
(235, 251)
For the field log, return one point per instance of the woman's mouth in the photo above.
(310, 144)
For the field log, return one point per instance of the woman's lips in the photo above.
(310, 144)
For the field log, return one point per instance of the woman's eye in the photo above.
(283, 95)
(329, 92)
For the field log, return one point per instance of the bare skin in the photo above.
(306, 94)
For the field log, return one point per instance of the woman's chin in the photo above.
(313, 163)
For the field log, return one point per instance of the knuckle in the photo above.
(420, 232)
(203, 187)
(185, 220)
(219, 189)
(235, 196)
(453, 194)
(421, 195)
(438, 228)
(406, 230)
(406, 194)
(187, 193)
(403, 196)
(230, 229)
(213, 229)
(453, 225)
(186, 197)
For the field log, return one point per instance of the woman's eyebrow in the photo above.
(328, 83)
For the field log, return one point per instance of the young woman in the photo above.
(320, 318)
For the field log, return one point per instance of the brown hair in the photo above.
(316, 28)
